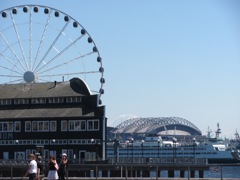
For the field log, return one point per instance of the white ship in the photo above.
(214, 150)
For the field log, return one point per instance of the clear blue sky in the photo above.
(165, 58)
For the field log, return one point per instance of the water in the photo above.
(227, 172)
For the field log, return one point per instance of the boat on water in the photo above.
(155, 147)
(236, 143)
(213, 150)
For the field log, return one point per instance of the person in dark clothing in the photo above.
(53, 168)
(62, 172)
(40, 174)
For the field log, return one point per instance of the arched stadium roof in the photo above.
(152, 125)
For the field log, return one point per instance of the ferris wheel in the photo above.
(42, 44)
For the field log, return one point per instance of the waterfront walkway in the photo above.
(157, 171)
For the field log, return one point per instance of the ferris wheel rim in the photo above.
(29, 75)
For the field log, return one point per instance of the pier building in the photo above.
(50, 119)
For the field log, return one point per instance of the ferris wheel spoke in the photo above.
(60, 53)
(42, 38)
(10, 70)
(11, 76)
(19, 41)
(14, 53)
(14, 64)
(68, 74)
(67, 62)
(30, 42)
(53, 43)
(15, 81)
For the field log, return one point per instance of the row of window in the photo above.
(162, 149)
(51, 142)
(45, 126)
(111, 154)
(23, 155)
(41, 100)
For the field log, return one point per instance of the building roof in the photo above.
(86, 107)
(74, 87)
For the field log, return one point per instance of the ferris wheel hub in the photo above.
(29, 76)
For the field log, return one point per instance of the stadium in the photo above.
(152, 126)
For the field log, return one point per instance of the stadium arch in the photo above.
(157, 125)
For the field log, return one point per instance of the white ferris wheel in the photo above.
(42, 44)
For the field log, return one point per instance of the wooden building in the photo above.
(51, 118)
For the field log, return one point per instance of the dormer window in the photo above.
(56, 100)
(5, 101)
(38, 101)
(74, 99)
(21, 101)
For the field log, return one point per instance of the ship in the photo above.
(236, 144)
(211, 150)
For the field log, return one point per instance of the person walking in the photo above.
(32, 168)
(53, 168)
(63, 167)
(40, 174)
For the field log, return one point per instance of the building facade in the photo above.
(50, 119)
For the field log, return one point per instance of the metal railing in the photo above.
(123, 171)
(199, 161)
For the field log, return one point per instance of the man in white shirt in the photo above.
(32, 169)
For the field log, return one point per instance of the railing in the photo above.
(11, 162)
(124, 168)
(125, 171)
(198, 161)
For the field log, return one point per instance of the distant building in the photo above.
(51, 118)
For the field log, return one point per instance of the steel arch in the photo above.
(151, 125)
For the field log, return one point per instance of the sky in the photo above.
(164, 58)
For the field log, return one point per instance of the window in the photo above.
(46, 126)
(53, 125)
(37, 126)
(77, 125)
(64, 125)
(71, 125)
(83, 125)
(34, 126)
(74, 99)
(70, 153)
(41, 127)
(21, 101)
(38, 101)
(64, 151)
(17, 127)
(16, 101)
(5, 101)
(56, 100)
(93, 125)
(28, 126)
(10, 126)
(6, 126)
